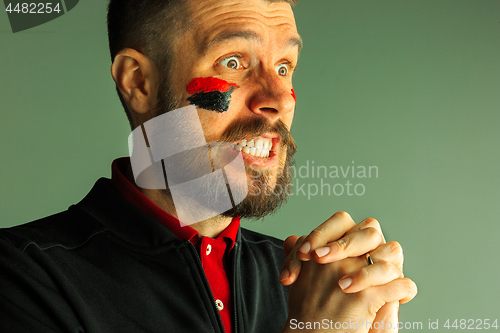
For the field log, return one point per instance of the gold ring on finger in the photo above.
(369, 259)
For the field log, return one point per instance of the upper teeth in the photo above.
(258, 147)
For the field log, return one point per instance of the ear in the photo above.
(136, 78)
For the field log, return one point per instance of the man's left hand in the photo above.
(338, 238)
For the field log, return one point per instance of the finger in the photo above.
(380, 273)
(387, 318)
(330, 230)
(401, 290)
(292, 265)
(351, 245)
(289, 244)
(391, 252)
(368, 223)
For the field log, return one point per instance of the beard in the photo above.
(268, 189)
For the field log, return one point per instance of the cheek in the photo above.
(213, 124)
(287, 119)
(210, 93)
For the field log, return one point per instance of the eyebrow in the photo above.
(247, 35)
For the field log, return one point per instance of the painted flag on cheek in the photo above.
(210, 93)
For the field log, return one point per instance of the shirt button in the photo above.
(219, 305)
(209, 249)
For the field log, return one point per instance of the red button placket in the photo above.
(212, 260)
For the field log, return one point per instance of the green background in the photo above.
(412, 87)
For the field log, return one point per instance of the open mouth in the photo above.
(258, 147)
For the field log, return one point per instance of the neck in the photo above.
(210, 228)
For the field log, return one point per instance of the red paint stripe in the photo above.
(293, 95)
(206, 84)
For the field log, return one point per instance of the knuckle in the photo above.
(317, 232)
(342, 244)
(373, 233)
(375, 224)
(411, 286)
(408, 285)
(364, 274)
(388, 269)
(316, 235)
(342, 214)
(370, 221)
(395, 249)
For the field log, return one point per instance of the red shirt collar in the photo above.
(133, 195)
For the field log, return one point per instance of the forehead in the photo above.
(217, 21)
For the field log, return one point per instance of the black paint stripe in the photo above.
(212, 100)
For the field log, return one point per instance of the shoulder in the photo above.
(68, 229)
(38, 261)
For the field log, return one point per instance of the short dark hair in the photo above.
(150, 27)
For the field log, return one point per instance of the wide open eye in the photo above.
(231, 62)
(282, 69)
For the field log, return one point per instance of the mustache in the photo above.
(249, 128)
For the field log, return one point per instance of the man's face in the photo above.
(248, 49)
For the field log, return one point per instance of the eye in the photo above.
(282, 69)
(231, 62)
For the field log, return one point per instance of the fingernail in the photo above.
(322, 251)
(285, 274)
(344, 283)
(305, 248)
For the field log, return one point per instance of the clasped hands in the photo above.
(332, 280)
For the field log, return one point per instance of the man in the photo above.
(121, 261)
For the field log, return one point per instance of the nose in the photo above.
(273, 96)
